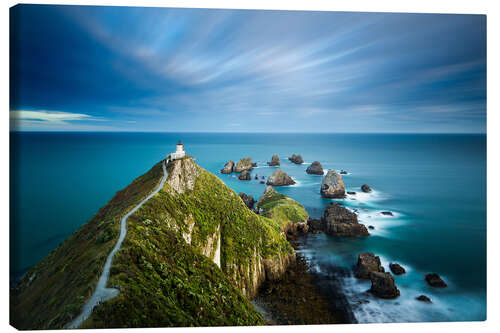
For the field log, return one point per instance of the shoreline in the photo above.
(302, 297)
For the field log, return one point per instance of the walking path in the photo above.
(101, 293)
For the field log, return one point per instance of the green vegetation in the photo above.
(281, 209)
(167, 268)
(53, 292)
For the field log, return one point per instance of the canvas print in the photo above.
(218, 167)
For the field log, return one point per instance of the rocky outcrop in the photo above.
(228, 167)
(423, 298)
(315, 226)
(332, 185)
(254, 164)
(351, 193)
(297, 159)
(365, 188)
(383, 285)
(434, 280)
(279, 178)
(340, 221)
(245, 175)
(397, 269)
(367, 264)
(343, 172)
(275, 161)
(247, 199)
(315, 168)
(244, 164)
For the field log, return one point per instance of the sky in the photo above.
(85, 68)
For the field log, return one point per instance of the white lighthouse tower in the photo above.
(179, 152)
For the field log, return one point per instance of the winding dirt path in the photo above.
(101, 293)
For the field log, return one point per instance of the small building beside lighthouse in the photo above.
(179, 152)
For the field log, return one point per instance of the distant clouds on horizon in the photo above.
(86, 68)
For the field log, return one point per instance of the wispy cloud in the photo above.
(53, 120)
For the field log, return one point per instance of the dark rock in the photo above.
(343, 172)
(367, 263)
(245, 175)
(332, 185)
(365, 188)
(351, 193)
(371, 227)
(228, 167)
(297, 159)
(262, 177)
(387, 213)
(275, 161)
(262, 182)
(315, 168)
(256, 177)
(279, 178)
(340, 221)
(254, 164)
(383, 285)
(244, 164)
(247, 199)
(423, 298)
(397, 268)
(434, 280)
(315, 225)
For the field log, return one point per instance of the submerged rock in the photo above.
(397, 268)
(343, 172)
(387, 213)
(332, 185)
(351, 193)
(245, 175)
(365, 188)
(383, 285)
(244, 164)
(297, 159)
(247, 199)
(423, 298)
(340, 221)
(262, 182)
(367, 264)
(434, 280)
(371, 227)
(279, 178)
(315, 168)
(228, 167)
(275, 161)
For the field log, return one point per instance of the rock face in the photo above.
(434, 280)
(297, 159)
(275, 161)
(365, 188)
(367, 264)
(279, 178)
(332, 185)
(383, 285)
(423, 298)
(244, 164)
(340, 221)
(315, 168)
(247, 199)
(228, 167)
(245, 175)
(397, 269)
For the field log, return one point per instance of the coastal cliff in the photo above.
(193, 255)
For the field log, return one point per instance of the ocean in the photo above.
(435, 185)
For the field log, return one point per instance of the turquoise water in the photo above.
(435, 185)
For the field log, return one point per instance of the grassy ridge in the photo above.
(281, 209)
(53, 292)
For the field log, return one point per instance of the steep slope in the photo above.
(191, 255)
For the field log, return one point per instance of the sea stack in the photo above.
(244, 164)
(340, 221)
(367, 264)
(383, 285)
(228, 167)
(279, 178)
(332, 185)
(297, 159)
(245, 175)
(275, 161)
(315, 168)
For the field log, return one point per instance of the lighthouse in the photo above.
(179, 152)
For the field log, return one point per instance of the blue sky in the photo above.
(77, 68)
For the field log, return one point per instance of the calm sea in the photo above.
(434, 184)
